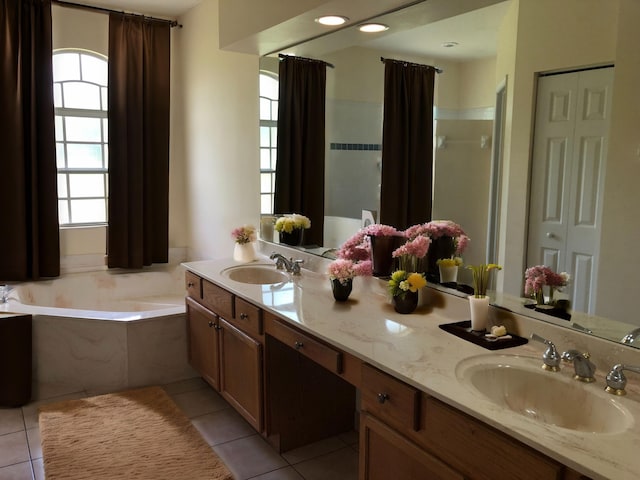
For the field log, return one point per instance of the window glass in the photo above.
(80, 99)
(268, 139)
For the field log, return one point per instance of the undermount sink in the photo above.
(260, 274)
(519, 384)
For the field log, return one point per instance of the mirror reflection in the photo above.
(482, 166)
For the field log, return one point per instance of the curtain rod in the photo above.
(438, 70)
(172, 23)
(282, 56)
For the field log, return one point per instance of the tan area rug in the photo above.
(138, 434)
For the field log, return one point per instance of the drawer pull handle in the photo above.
(190, 284)
(243, 316)
(217, 327)
(382, 397)
(298, 345)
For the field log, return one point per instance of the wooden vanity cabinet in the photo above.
(225, 346)
(443, 443)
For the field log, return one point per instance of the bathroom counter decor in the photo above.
(463, 330)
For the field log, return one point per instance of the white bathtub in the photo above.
(104, 331)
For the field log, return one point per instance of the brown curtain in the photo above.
(29, 243)
(407, 144)
(139, 60)
(299, 184)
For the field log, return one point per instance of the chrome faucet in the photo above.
(292, 266)
(550, 357)
(631, 337)
(616, 379)
(584, 368)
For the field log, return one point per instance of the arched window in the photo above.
(268, 139)
(80, 100)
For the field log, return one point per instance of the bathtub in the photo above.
(104, 331)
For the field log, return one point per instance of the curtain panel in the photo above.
(139, 63)
(407, 144)
(29, 244)
(299, 183)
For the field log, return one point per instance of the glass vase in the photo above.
(479, 307)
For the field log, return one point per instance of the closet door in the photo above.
(567, 177)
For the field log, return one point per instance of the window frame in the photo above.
(272, 125)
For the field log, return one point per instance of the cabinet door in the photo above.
(241, 373)
(204, 356)
(386, 454)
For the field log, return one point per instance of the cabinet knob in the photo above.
(211, 324)
(382, 397)
(243, 316)
(217, 327)
(190, 284)
(298, 345)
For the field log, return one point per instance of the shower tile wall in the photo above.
(353, 157)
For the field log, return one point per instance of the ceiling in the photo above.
(160, 8)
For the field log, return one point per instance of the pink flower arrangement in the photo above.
(418, 247)
(440, 228)
(358, 246)
(541, 275)
(244, 234)
(344, 270)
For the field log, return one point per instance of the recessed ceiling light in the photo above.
(373, 27)
(332, 20)
(449, 44)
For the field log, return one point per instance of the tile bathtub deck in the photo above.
(246, 453)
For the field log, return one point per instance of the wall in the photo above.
(216, 134)
(74, 28)
(543, 42)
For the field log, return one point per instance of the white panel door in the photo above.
(567, 177)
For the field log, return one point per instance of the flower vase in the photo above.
(341, 290)
(244, 252)
(479, 307)
(448, 274)
(382, 247)
(441, 247)
(405, 303)
(294, 238)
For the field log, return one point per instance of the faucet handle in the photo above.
(616, 379)
(295, 267)
(550, 357)
(584, 368)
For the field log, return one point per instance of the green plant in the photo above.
(481, 277)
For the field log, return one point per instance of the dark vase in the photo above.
(381, 249)
(405, 303)
(442, 247)
(294, 238)
(341, 291)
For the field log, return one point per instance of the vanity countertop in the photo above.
(414, 349)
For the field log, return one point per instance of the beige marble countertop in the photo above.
(414, 349)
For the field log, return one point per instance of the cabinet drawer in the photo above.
(217, 299)
(248, 317)
(389, 399)
(193, 285)
(314, 350)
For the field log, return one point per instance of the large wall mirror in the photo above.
(499, 51)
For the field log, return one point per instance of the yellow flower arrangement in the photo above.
(289, 223)
(450, 262)
(402, 282)
(481, 277)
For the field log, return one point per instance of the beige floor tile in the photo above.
(249, 457)
(38, 469)
(222, 426)
(199, 402)
(35, 443)
(183, 386)
(13, 448)
(19, 471)
(339, 465)
(313, 450)
(350, 438)
(287, 473)
(11, 420)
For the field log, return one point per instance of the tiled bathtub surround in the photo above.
(104, 331)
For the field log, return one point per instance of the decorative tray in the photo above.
(463, 330)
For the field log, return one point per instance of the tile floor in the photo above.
(246, 453)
